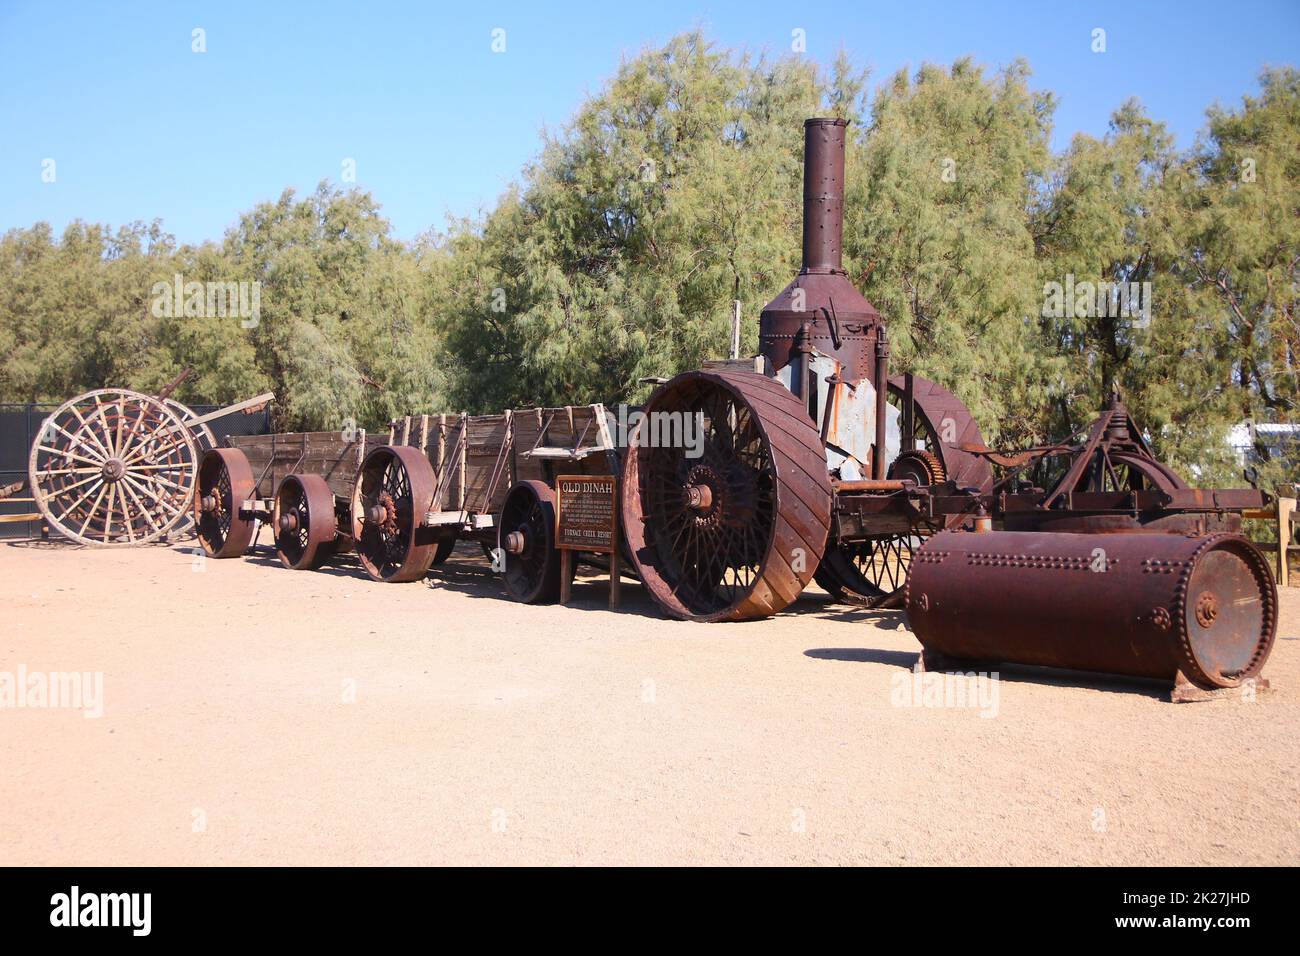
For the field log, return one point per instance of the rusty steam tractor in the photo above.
(816, 462)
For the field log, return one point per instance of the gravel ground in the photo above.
(256, 715)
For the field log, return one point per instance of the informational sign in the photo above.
(587, 513)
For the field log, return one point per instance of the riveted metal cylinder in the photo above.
(823, 195)
(1137, 604)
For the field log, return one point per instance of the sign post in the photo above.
(586, 519)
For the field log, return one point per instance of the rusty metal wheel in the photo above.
(445, 546)
(225, 483)
(942, 425)
(392, 494)
(873, 572)
(113, 468)
(736, 531)
(304, 522)
(526, 537)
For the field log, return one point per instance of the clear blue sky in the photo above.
(141, 127)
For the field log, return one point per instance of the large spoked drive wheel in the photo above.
(392, 494)
(304, 522)
(727, 519)
(225, 483)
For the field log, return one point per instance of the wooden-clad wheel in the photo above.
(113, 468)
(526, 536)
(391, 496)
(304, 522)
(225, 483)
(733, 526)
(873, 573)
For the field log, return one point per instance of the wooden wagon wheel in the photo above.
(304, 522)
(736, 531)
(526, 536)
(204, 441)
(225, 483)
(113, 468)
(392, 494)
(873, 572)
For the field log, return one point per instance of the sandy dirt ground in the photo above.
(257, 715)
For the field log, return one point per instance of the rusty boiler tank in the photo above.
(1195, 609)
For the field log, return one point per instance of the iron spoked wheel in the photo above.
(872, 572)
(225, 482)
(304, 522)
(445, 546)
(392, 494)
(113, 468)
(526, 536)
(942, 425)
(736, 531)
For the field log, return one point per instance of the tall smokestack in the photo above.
(823, 195)
(821, 310)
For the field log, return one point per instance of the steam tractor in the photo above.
(820, 463)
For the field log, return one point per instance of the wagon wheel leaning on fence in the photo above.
(113, 468)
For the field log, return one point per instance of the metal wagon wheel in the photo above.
(736, 531)
(526, 536)
(304, 522)
(225, 483)
(392, 494)
(113, 468)
(873, 572)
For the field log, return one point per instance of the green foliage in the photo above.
(937, 235)
(676, 189)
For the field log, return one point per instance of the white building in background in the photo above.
(1281, 440)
